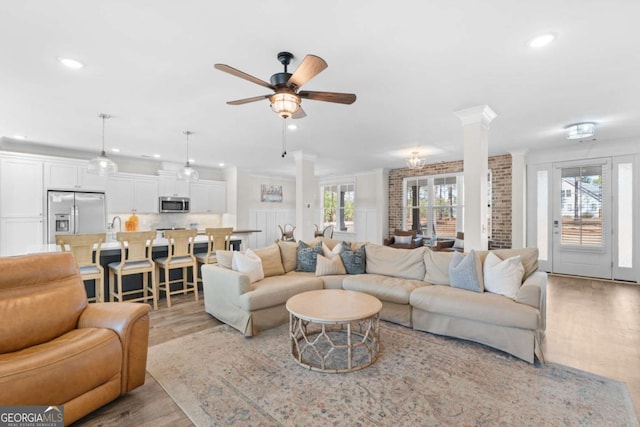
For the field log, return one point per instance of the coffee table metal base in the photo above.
(335, 346)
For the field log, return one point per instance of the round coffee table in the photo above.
(334, 330)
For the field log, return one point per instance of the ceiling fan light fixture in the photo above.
(285, 104)
(102, 165)
(580, 130)
(415, 162)
(187, 173)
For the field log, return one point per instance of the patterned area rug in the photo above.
(218, 377)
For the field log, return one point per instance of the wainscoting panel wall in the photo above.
(268, 220)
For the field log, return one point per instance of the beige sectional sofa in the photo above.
(413, 285)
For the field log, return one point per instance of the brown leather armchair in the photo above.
(414, 241)
(450, 245)
(55, 348)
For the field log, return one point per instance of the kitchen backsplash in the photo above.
(177, 220)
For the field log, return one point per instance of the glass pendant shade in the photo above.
(415, 162)
(285, 104)
(102, 165)
(187, 173)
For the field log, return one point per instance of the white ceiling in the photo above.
(411, 64)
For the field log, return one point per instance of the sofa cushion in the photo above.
(354, 260)
(60, 370)
(307, 256)
(289, 254)
(385, 288)
(482, 307)
(404, 263)
(503, 277)
(329, 266)
(271, 260)
(465, 272)
(437, 266)
(276, 290)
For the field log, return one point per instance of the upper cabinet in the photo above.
(72, 175)
(131, 192)
(208, 196)
(21, 193)
(170, 185)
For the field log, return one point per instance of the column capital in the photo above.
(482, 114)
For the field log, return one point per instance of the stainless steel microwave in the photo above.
(174, 204)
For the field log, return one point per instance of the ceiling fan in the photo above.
(286, 98)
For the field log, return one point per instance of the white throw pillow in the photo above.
(330, 253)
(248, 263)
(503, 277)
(402, 240)
(329, 266)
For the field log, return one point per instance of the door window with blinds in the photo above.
(581, 206)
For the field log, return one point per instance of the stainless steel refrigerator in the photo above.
(75, 212)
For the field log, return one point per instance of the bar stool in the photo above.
(180, 256)
(217, 239)
(135, 258)
(82, 247)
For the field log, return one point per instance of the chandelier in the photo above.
(415, 162)
(102, 165)
(187, 173)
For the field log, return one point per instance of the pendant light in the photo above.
(415, 162)
(102, 165)
(187, 173)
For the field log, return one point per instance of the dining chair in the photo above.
(180, 256)
(135, 258)
(86, 251)
(324, 231)
(286, 232)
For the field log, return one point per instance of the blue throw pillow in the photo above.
(354, 261)
(465, 272)
(307, 257)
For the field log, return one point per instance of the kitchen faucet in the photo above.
(113, 223)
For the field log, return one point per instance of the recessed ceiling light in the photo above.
(157, 156)
(115, 150)
(221, 164)
(71, 63)
(19, 137)
(292, 127)
(542, 40)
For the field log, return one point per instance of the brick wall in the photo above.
(501, 197)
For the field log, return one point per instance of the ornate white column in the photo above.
(475, 123)
(306, 195)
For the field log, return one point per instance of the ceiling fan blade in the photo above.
(340, 98)
(243, 75)
(299, 114)
(310, 66)
(248, 100)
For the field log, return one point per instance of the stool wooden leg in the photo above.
(168, 285)
(120, 280)
(145, 290)
(99, 290)
(195, 281)
(111, 286)
(154, 287)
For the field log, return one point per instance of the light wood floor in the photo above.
(591, 325)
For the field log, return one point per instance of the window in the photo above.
(582, 213)
(338, 207)
(433, 205)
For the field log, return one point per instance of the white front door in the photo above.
(581, 219)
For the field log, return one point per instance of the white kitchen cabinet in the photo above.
(130, 192)
(170, 185)
(21, 192)
(20, 235)
(69, 175)
(208, 196)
